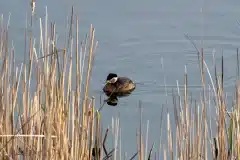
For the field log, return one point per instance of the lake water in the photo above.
(145, 41)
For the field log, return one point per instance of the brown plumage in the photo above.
(118, 86)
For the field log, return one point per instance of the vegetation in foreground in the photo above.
(54, 120)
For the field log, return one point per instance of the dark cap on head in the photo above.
(111, 75)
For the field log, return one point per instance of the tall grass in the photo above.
(51, 119)
(197, 132)
(194, 125)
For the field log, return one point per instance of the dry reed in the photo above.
(48, 120)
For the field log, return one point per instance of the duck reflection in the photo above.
(112, 101)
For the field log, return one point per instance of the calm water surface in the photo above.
(145, 41)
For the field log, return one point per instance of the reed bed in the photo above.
(197, 132)
(49, 118)
(44, 115)
(207, 128)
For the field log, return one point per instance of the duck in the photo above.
(118, 86)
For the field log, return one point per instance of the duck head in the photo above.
(112, 78)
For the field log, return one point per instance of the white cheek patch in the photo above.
(113, 80)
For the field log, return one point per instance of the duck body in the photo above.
(118, 86)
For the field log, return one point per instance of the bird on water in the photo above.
(118, 86)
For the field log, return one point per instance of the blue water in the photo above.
(145, 41)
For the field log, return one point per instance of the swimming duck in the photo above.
(118, 86)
